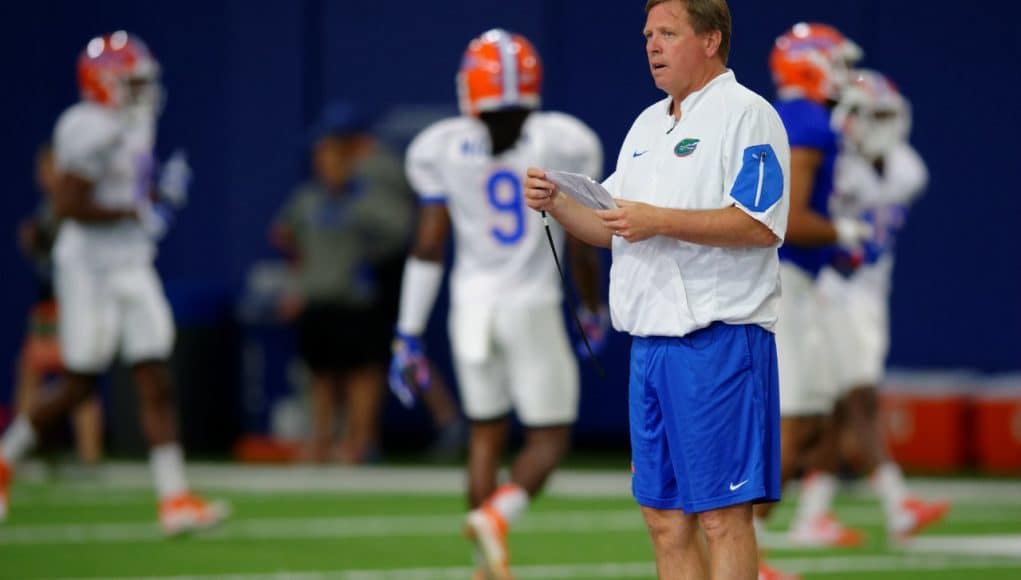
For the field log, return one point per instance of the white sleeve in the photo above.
(756, 166)
(420, 285)
(423, 167)
(906, 175)
(574, 146)
(83, 141)
(851, 178)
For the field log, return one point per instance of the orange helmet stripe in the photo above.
(499, 70)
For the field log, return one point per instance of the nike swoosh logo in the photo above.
(639, 153)
(738, 486)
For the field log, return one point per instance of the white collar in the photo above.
(695, 97)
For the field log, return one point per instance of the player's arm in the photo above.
(578, 220)
(72, 198)
(805, 227)
(423, 271)
(420, 284)
(36, 232)
(29, 236)
(432, 233)
(906, 176)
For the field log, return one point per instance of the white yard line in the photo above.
(844, 564)
(341, 527)
(1007, 545)
(854, 515)
(575, 522)
(446, 480)
(826, 565)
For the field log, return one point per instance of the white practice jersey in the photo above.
(883, 198)
(729, 148)
(859, 186)
(501, 252)
(113, 150)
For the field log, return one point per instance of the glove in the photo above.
(175, 180)
(156, 219)
(409, 369)
(847, 262)
(852, 232)
(596, 327)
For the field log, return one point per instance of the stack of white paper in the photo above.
(582, 188)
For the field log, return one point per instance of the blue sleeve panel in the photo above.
(808, 126)
(759, 185)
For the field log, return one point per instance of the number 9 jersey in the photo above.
(501, 252)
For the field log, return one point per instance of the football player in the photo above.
(39, 363)
(810, 64)
(878, 176)
(507, 334)
(109, 293)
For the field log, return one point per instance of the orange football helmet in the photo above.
(812, 61)
(117, 70)
(500, 70)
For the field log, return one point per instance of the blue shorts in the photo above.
(705, 419)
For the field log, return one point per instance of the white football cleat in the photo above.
(188, 513)
(825, 532)
(916, 515)
(487, 529)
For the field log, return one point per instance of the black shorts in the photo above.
(336, 338)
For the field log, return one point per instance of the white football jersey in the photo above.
(860, 187)
(113, 150)
(501, 251)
